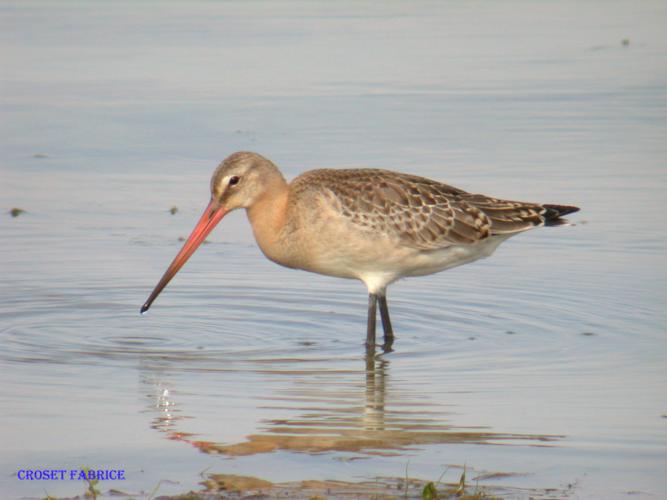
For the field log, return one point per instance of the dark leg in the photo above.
(372, 313)
(386, 322)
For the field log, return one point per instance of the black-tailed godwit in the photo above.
(373, 225)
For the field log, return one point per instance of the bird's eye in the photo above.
(234, 180)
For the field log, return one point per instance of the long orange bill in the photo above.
(209, 219)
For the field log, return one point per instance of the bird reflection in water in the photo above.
(376, 373)
(323, 411)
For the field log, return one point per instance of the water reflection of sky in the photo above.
(112, 114)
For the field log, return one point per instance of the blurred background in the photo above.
(541, 368)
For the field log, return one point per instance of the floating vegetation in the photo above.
(40, 155)
(234, 487)
(91, 483)
(232, 482)
(461, 488)
(430, 492)
(15, 212)
(625, 42)
(182, 238)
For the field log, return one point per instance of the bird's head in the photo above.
(241, 179)
(238, 182)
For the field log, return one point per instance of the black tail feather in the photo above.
(553, 215)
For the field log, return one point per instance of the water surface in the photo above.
(547, 361)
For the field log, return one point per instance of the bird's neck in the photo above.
(267, 216)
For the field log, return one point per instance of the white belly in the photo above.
(378, 263)
(422, 263)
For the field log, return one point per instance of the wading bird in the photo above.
(372, 225)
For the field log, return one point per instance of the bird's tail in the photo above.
(554, 214)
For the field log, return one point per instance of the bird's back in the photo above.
(419, 212)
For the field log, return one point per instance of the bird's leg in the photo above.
(386, 322)
(372, 313)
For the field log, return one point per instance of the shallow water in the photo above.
(547, 361)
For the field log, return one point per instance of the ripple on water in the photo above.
(203, 324)
(289, 352)
(249, 316)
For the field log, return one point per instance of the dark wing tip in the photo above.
(553, 214)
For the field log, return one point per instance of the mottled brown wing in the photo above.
(418, 212)
(508, 216)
